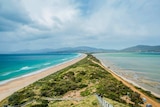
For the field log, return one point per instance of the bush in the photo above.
(82, 85)
(94, 103)
(20, 97)
(14, 99)
(77, 80)
(135, 97)
(82, 73)
(85, 93)
(40, 105)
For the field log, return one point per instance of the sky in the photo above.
(109, 24)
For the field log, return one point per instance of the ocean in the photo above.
(141, 68)
(13, 66)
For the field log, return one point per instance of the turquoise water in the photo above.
(17, 65)
(145, 64)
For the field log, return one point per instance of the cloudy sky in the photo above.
(39, 24)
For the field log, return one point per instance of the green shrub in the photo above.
(14, 99)
(78, 79)
(85, 93)
(82, 73)
(94, 103)
(82, 85)
(135, 97)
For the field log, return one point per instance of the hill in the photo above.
(85, 49)
(142, 48)
(81, 49)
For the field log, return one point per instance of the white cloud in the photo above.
(51, 13)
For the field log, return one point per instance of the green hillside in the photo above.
(79, 81)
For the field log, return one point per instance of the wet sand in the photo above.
(135, 78)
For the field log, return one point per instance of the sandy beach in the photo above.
(13, 86)
(131, 85)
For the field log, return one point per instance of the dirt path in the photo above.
(149, 100)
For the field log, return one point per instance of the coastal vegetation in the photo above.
(84, 78)
(148, 93)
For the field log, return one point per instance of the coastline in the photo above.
(129, 77)
(131, 85)
(10, 87)
(38, 71)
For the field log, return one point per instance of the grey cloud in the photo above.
(12, 15)
(36, 37)
(7, 25)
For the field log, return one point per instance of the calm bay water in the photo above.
(146, 64)
(17, 65)
(141, 69)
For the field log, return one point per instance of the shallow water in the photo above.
(142, 68)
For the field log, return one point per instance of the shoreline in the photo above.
(10, 87)
(131, 86)
(131, 80)
(37, 71)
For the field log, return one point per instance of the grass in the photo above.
(84, 76)
(115, 103)
(89, 101)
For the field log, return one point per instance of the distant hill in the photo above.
(82, 49)
(142, 48)
(85, 49)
